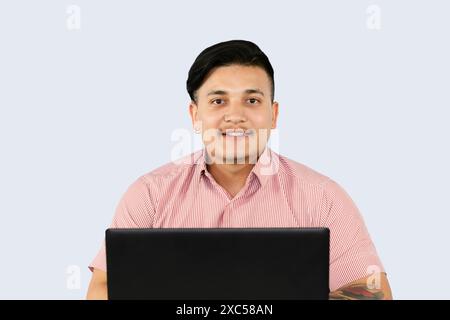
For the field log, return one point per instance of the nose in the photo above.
(235, 114)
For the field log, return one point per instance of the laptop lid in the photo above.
(218, 263)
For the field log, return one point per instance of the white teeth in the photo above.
(235, 134)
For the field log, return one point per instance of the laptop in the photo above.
(218, 263)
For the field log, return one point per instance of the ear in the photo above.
(274, 114)
(193, 108)
(193, 112)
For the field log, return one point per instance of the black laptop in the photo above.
(218, 263)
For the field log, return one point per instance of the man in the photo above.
(237, 181)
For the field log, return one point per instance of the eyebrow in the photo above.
(223, 92)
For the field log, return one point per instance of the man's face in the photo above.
(234, 112)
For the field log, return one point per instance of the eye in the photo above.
(253, 100)
(217, 101)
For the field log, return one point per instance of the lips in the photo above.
(236, 133)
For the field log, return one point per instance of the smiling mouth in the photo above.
(239, 133)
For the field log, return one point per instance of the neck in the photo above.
(231, 177)
(230, 172)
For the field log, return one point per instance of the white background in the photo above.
(84, 112)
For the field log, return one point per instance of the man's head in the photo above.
(231, 86)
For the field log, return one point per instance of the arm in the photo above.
(360, 290)
(98, 289)
(135, 210)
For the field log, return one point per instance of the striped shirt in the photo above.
(278, 192)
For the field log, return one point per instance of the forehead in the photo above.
(236, 78)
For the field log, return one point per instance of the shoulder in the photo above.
(304, 177)
(173, 170)
(148, 187)
(301, 173)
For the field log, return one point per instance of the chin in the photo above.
(251, 158)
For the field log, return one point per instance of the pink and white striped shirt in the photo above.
(278, 192)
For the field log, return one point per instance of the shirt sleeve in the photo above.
(352, 254)
(135, 210)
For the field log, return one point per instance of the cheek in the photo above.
(210, 121)
(261, 120)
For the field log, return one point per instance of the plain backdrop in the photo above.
(91, 92)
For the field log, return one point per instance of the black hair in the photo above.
(240, 52)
